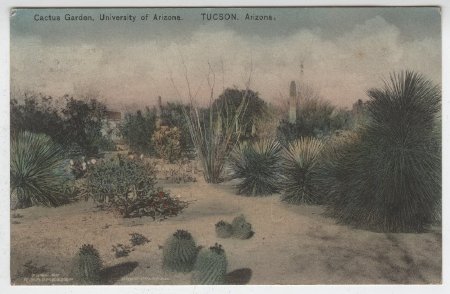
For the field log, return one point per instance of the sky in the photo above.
(344, 52)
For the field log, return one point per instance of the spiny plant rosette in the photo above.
(390, 179)
(35, 180)
(258, 167)
(210, 267)
(87, 265)
(224, 229)
(300, 171)
(179, 252)
(241, 228)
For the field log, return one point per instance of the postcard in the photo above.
(225, 145)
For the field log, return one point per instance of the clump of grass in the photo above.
(138, 239)
(389, 179)
(258, 166)
(300, 162)
(35, 160)
(121, 250)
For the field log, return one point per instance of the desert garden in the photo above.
(237, 191)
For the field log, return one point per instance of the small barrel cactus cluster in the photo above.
(224, 229)
(239, 228)
(179, 252)
(210, 267)
(87, 266)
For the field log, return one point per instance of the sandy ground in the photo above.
(292, 244)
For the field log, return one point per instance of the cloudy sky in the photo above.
(344, 51)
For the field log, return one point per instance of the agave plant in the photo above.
(390, 179)
(300, 161)
(35, 160)
(258, 167)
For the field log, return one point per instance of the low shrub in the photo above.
(34, 169)
(258, 166)
(138, 239)
(300, 163)
(121, 250)
(128, 186)
(166, 141)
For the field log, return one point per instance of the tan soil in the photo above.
(292, 244)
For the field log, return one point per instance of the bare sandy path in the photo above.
(291, 245)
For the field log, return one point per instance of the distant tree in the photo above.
(315, 118)
(230, 100)
(172, 116)
(137, 129)
(77, 123)
(37, 114)
(83, 122)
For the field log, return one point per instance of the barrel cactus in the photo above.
(210, 267)
(241, 228)
(224, 229)
(179, 252)
(87, 266)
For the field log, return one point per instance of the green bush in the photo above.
(241, 228)
(315, 118)
(258, 166)
(77, 124)
(172, 115)
(210, 267)
(137, 130)
(179, 252)
(87, 266)
(35, 171)
(166, 141)
(300, 162)
(389, 179)
(224, 229)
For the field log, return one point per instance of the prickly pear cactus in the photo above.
(87, 266)
(179, 252)
(210, 267)
(224, 229)
(241, 228)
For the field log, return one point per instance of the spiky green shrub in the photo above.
(258, 166)
(210, 267)
(241, 228)
(300, 162)
(34, 166)
(224, 229)
(87, 266)
(179, 252)
(389, 179)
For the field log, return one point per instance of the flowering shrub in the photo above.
(127, 186)
(167, 143)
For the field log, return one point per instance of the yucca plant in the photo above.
(300, 162)
(35, 161)
(390, 178)
(258, 166)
